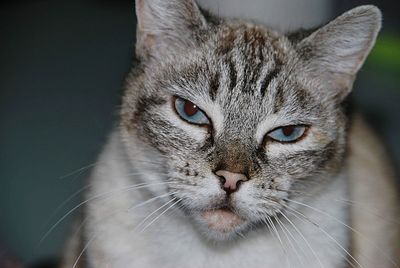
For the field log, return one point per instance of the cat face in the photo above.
(235, 117)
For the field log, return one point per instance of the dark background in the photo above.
(62, 64)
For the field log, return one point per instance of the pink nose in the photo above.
(230, 181)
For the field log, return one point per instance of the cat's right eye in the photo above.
(190, 112)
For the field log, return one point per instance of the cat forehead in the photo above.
(239, 67)
(256, 42)
(233, 57)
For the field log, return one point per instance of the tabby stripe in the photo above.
(279, 98)
(268, 78)
(214, 85)
(232, 75)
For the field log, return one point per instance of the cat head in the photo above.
(236, 117)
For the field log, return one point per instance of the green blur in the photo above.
(386, 53)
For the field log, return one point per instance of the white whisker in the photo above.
(155, 211)
(99, 196)
(151, 200)
(326, 233)
(347, 226)
(83, 250)
(66, 202)
(273, 232)
(162, 213)
(352, 203)
(279, 239)
(78, 171)
(305, 240)
(283, 227)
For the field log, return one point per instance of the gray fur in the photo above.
(250, 72)
(248, 79)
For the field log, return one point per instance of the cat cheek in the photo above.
(282, 183)
(251, 201)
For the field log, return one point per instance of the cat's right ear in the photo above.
(165, 26)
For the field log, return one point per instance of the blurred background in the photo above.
(62, 64)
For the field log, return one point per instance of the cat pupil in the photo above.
(190, 108)
(288, 130)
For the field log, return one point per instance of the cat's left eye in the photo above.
(190, 112)
(291, 133)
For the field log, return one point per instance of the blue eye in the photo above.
(190, 112)
(287, 133)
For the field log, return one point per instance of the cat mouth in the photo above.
(222, 220)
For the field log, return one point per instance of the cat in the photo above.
(237, 146)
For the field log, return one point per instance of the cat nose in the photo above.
(230, 181)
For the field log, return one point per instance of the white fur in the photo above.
(172, 240)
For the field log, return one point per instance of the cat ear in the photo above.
(334, 53)
(166, 25)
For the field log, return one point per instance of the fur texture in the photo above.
(248, 80)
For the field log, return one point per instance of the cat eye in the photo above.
(291, 133)
(190, 112)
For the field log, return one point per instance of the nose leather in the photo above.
(231, 179)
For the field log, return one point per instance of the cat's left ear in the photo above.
(334, 53)
(165, 26)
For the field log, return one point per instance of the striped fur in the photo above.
(249, 80)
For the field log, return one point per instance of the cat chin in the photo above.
(220, 224)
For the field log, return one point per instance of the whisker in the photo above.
(326, 233)
(144, 173)
(177, 207)
(273, 234)
(374, 213)
(151, 200)
(102, 195)
(347, 226)
(279, 239)
(155, 211)
(83, 250)
(162, 213)
(305, 240)
(109, 215)
(267, 222)
(350, 202)
(283, 228)
(78, 171)
(298, 231)
(148, 161)
(122, 210)
(65, 202)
